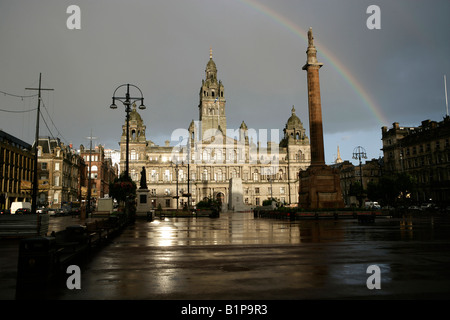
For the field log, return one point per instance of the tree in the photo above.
(392, 189)
(405, 184)
(123, 189)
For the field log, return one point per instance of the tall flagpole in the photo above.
(445, 86)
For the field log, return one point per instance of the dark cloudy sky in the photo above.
(370, 78)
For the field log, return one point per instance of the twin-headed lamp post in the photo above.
(127, 102)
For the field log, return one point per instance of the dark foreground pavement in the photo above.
(238, 257)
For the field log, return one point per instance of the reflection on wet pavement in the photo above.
(239, 257)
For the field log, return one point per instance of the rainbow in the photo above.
(334, 62)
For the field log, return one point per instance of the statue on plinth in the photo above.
(143, 179)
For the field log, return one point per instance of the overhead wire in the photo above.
(18, 96)
(25, 111)
(15, 111)
(53, 122)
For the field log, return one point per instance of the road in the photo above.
(239, 257)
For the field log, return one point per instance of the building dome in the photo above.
(211, 65)
(294, 121)
(134, 115)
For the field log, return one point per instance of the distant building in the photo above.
(102, 171)
(59, 172)
(216, 155)
(350, 174)
(16, 170)
(423, 152)
(114, 155)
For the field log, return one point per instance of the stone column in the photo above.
(312, 67)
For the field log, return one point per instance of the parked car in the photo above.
(427, 206)
(51, 212)
(23, 211)
(414, 208)
(5, 211)
(61, 212)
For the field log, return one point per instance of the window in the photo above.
(256, 190)
(57, 166)
(167, 175)
(153, 176)
(282, 190)
(44, 165)
(57, 181)
(168, 203)
(133, 155)
(219, 175)
(180, 175)
(280, 174)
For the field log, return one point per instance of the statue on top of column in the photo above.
(310, 38)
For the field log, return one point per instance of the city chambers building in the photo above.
(208, 156)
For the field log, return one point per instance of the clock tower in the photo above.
(212, 103)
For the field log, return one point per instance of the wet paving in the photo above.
(239, 257)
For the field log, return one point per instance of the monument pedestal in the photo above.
(144, 205)
(320, 188)
(236, 196)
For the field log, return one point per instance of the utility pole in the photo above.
(88, 200)
(36, 142)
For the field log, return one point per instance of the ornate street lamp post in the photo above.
(176, 175)
(127, 102)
